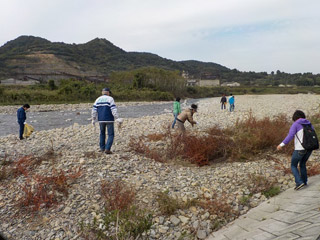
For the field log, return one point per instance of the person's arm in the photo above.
(289, 137)
(94, 112)
(18, 115)
(24, 116)
(113, 108)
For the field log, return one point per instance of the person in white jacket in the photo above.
(104, 111)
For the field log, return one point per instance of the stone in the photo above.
(175, 220)
(184, 219)
(67, 210)
(201, 234)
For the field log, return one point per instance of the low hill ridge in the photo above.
(29, 54)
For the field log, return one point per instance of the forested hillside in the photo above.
(98, 56)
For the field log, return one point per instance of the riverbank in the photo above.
(77, 146)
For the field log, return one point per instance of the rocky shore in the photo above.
(78, 146)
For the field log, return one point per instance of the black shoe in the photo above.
(108, 152)
(101, 150)
(21, 138)
(299, 186)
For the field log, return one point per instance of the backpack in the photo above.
(310, 139)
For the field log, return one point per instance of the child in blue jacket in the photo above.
(22, 117)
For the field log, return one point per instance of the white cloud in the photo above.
(248, 35)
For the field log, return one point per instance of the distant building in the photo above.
(230, 84)
(206, 80)
(12, 81)
(191, 82)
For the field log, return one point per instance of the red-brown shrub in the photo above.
(283, 166)
(252, 136)
(40, 191)
(155, 137)
(313, 168)
(259, 183)
(117, 196)
(219, 206)
(202, 149)
(139, 146)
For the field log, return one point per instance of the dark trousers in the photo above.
(21, 129)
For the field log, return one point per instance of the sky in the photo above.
(248, 35)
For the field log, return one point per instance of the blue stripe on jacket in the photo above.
(104, 106)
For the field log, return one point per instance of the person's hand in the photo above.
(279, 147)
(119, 120)
(24, 123)
(93, 121)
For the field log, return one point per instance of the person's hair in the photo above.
(194, 106)
(178, 99)
(298, 114)
(26, 105)
(230, 94)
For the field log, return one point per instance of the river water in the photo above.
(59, 119)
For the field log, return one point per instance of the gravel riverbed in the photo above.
(146, 176)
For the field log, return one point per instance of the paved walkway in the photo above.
(290, 215)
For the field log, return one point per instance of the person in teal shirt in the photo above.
(176, 110)
(231, 102)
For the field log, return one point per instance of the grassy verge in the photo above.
(73, 91)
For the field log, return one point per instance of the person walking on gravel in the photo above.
(104, 111)
(22, 117)
(223, 102)
(186, 115)
(176, 110)
(231, 102)
(300, 155)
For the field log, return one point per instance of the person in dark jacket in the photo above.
(22, 117)
(105, 112)
(223, 102)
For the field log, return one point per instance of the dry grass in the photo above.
(220, 207)
(259, 184)
(156, 137)
(117, 195)
(169, 205)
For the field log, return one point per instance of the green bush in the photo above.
(130, 223)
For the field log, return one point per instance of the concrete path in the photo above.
(290, 215)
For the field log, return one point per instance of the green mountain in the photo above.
(29, 55)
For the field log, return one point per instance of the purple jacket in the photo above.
(296, 131)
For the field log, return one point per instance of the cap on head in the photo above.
(194, 107)
(105, 90)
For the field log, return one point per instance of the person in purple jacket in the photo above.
(299, 155)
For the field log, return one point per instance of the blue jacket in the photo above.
(104, 109)
(231, 100)
(21, 115)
